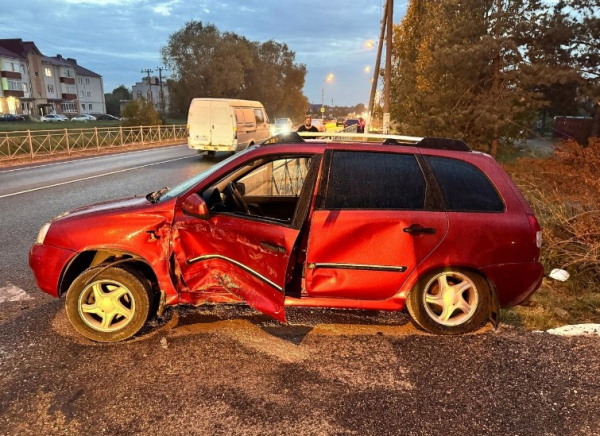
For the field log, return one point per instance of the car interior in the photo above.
(265, 188)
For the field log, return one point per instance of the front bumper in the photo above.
(47, 264)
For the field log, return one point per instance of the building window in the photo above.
(89, 94)
(37, 74)
(14, 85)
(22, 67)
(138, 94)
(82, 106)
(25, 88)
(12, 67)
(87, 81)
(48, 72)
(80, 80)
(68, 106)
(80, 94)
(90, 105)
(51, 89)
(69, 73)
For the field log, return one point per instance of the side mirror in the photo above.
(196, 207)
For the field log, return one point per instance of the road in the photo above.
(231, 370)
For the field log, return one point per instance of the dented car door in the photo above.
(244, 255)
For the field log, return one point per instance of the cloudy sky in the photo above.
(117, 38)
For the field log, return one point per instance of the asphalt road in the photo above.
(231, 370)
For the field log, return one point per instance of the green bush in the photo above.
(140, 112)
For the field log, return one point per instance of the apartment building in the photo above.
(152, 90)
(46, 84)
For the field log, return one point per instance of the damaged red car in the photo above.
(380, 225)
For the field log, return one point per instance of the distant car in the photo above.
(318, 123)
(84, 117)
(106, 117)
(281, 125)
(351, 122)
(11, 118)
(340, 121)
(53, 118)
(62, 117)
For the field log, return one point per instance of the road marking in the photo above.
(89, 158)
(13, 293)
(39, 188)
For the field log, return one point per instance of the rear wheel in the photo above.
(211, 154)
(109, 305)
(452, 301)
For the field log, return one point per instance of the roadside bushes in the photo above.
(564, 192)
(140, 112)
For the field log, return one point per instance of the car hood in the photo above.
(123, 205)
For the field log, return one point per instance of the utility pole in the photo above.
(148, 71)
(388, 67)
(377, 66)
(161, 95)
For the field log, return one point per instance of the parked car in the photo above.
(339, 121)
(449, 235)
(53, 118)
(11, 118)
(218, 124)
(351, 122)
(84, 117)
(106, 117)
(281, 125)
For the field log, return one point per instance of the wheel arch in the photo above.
(494, 309)
(97, 256)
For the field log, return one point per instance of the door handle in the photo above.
(272, 247)
(418, 229)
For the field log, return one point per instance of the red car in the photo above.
(422, 222)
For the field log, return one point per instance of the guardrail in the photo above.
(34, 143)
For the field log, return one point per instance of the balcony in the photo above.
(10, 93)
(69, 96)
(11, 75)
(67, 80)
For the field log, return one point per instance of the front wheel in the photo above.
(108, 305)
(453, 301)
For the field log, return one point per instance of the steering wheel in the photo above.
(237, 198)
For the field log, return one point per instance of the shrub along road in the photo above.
(232, 370)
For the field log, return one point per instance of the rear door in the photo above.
(221, 123)
(371, 226)
(199, 122)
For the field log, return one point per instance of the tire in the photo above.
(462, 308)
(124, 306)
(211, 154)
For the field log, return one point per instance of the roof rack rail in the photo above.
(427, 142)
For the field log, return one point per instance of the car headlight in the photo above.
(42, 234)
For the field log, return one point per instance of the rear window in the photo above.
(464, 187)
(365, 180)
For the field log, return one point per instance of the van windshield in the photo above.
(190, 183)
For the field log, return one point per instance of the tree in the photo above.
(140, 112)
(480, 70)
(113, 100)
(208, 63)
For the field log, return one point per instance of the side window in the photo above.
(279, 178)
(248, 116)
(464, 187)
(369, 180)
(239, 116)
(258, 116)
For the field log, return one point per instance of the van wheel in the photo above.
(453, 301)
(110, 306)
(211, 154)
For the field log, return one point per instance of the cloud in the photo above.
(162, 9)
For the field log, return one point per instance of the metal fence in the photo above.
(37, 143)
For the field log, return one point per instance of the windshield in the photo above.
(281, 121)
(183, 187)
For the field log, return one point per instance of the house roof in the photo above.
(56, 60)
(84, 71)
(19, 47)
(8, 53)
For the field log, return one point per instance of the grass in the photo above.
(556, 304)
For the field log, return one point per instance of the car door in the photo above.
(221, 120)
(199, 121)
(246, 255)
(372, 225)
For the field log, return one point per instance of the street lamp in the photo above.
(328, 79)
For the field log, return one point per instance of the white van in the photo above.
(220, 124)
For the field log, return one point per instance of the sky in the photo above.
(119, 38)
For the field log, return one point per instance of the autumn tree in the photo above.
(113, 100)
(140, 112)
(480, 70)
(209, 63)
